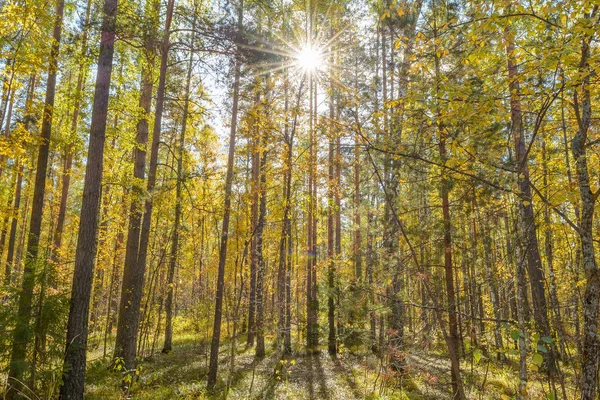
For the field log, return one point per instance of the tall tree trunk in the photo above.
(135, 271)
(113, 285)
(453, 339)
(256, 160)
(312, 305)
(285, 244)
(392, 165)
(532, 253)
(331, 212)
(175, 239)
(216, 337)
(77, 327)
(7, 81)
(22, 331)
(582, 104)
(338, 208)
(549, 251)
(370, 262)
(260, 265)
(491, 278)
(282, 265)
(8, 270)
(523, 314)
(9, 266)
(68, 159)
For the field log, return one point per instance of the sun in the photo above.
(309, 58)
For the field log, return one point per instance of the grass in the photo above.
(360, 375)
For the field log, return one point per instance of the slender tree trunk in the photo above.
(260, 272)
(114, 282)
(583, 110)
(135, 271)
(338, 214)
(357, 210)
(68, 161)
(77, 327)
(312, 332)
(256, 160)
(8, 271)
(7, 134)
(391, 173)
(491, 277)
(285, 246)
(282, 265)
(216, 338)
(549, 250)
(7, 80)
(331, 212)
(175, 240)
(453, 339)
(22, 331)
(534, 262)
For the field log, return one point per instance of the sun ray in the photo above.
(275, 69)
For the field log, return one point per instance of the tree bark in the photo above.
(582, 104)
(135, 270)
(453, 338)
(77, 327)
(256, 160)
(22, 331)
(260, 265)
(331, 231)
(528, 227)
(167, 347)
(216, 337)
(68, 160)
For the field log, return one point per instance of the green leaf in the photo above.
(515, 334)
(541, 348)
(547, 339)
(537, 359)
(477, 355)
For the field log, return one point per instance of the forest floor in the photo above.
(182, 374)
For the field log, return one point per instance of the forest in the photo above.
(299, 199)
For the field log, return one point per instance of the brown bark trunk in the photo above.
(549, 251)
(22, 331)
(134, 272)
(528, 227)
(68, 160)
(216, 338)
(8, 271)
(285, 246)
(453, 339)
(311, 300)
(583, 109)
(331, 231)
(284, 240)
(167, 347)
(260, 264)
(256, 160)
(77, 327)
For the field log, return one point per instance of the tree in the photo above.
(77, 327)
(22, 332)
(528, 225)
(134, 273)
(216, 337)
(178, 197)
(582, 104)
